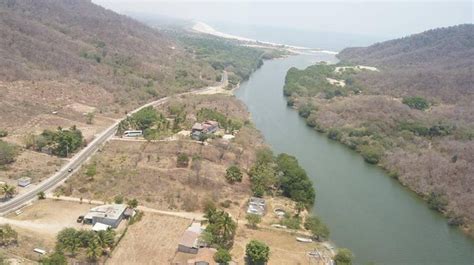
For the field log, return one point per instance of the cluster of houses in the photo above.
(204, 128)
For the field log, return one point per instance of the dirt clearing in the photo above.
(153, 240)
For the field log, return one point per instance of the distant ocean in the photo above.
(311, 39)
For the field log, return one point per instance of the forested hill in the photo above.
(440, 48)
(436, 64)
(76, 39)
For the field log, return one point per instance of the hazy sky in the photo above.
(381, 18)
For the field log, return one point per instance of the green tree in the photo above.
(233, 174)
(371, 153)
(118, 199)
(94, 250)
(221, 228)
(41, 195)
(7, 153)
(416, 102)
(133, 203)
(90, 117)
(106, 239)
(8, 191)
(343, 257)
(222, 256)
(318, 229)
(253, 220)
(257, 252)
(294, 182)
(145, 118)
(8, 236)
(68, 239)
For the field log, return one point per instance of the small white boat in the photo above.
(304, 240)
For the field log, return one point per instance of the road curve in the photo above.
(78, 159)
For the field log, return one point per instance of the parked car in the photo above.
(80, 219)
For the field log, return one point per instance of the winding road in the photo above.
(78, 159)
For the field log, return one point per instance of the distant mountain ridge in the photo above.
(442, 47)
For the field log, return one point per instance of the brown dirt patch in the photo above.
(153, 240)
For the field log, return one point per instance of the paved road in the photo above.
(77, 160)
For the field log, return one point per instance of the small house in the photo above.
(207, 127)
(24, 181)
(109, 214)
(189, 242)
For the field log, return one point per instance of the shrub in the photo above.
(8, 236)
(257, 252)
(91, 170)
(233, 174)
(318, 229)
(305, 110)
(41, 195)
(118, 199)
(416, 103)
(343, 257)
(3, 133)
(183, 160)
(56, 258)
(222, 256)
(334, 134)
(437, 201)
(253, 220)
(371, 153)
(292, 222)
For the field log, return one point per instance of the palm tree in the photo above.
(106, 239)
(94, 250)
(8, 191)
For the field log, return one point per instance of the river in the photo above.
(366, 211)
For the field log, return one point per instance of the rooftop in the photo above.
(112, 211)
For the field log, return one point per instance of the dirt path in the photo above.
(32, 225)
(185, 215)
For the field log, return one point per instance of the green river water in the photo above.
(367, 211)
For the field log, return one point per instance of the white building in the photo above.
(109, 214)
(24, 181)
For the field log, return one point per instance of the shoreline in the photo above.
(204, 28)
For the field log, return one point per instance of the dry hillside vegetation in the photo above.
(63, 62)
(414, 116)
(57, 55)
(149, 171)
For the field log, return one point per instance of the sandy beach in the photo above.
(207, 29)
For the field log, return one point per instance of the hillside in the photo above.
(66, 52)
(412, 114)
(439, 60)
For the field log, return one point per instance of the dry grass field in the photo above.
(284, 249)
(153, 240)
(148, 170)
